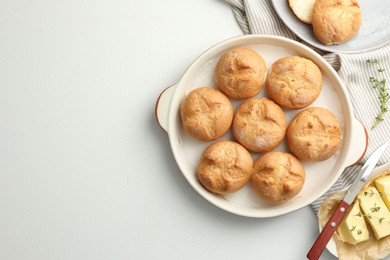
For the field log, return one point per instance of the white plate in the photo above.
(331, 246)
(373, 33)
(320, 176)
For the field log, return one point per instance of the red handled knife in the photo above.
(327, 232)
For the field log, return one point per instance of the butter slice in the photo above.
(375, 211)
(383, 185)
(353, 227)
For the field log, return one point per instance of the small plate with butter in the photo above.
(366, 226)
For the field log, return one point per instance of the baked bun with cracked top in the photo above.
(314, 134)
(240, 73)
(259, 124)
(206, 114)
(225, 167)
(277, 177)
(336, 21)
(303, 9)
(294, 82)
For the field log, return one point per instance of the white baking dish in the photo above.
(320, 176)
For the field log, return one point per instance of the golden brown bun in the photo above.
(314, 134)
(206, 114)
(294, 82)
(303, 9)
(225, 167)
(259, 125)
(277, 177)
(336, 21)
(240, 73)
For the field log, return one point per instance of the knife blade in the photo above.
(331, 226)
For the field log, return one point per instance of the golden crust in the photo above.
(240, 73)
(225, 167)
(206, 114)
(314, 134)
(336, 21)
(259, 125)
(294, 82)
(277, 177)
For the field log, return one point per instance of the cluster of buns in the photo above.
(333, 21)
(259, 125)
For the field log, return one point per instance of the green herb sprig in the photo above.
(383, 95)
(372, 193)
(375, 208)
(358, 231)
(380, 220)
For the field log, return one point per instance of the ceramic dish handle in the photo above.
(360, 141)
(163, 103)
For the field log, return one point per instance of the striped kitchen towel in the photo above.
(259, 17)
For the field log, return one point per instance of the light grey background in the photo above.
(85, 171)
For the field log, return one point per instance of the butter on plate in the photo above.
(375, 211)
(372, 248)
(353, 227)
(383, 185)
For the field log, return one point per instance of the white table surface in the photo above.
(85, 171)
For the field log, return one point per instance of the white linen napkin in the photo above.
(259, 17)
